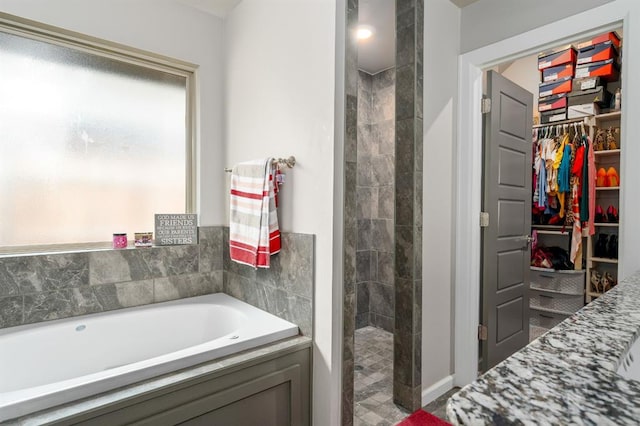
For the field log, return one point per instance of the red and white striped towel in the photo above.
(253, 229)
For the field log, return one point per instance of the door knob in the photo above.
(528, 239)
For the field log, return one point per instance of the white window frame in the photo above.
(84, 43)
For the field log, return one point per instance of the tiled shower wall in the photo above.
(407, 360)
(35, 288)
(375, 199)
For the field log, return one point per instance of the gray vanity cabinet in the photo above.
(273, 390)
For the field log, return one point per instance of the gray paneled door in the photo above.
(507, 199)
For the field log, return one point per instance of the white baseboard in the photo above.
(436, 390)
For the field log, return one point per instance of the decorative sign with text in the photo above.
(176, 229)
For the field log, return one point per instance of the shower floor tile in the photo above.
(374, 379)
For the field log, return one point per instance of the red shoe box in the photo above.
(562, 85)
(552, 102)
(596, 53)
(555, 57)
(612, 37)
(553, 115)
(607, 70)
(561, 71)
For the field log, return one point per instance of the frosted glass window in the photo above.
(89, 145)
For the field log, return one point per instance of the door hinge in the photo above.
(483, 333)
(486, 105)
(484, 219)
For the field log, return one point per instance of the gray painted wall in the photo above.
(488, 21)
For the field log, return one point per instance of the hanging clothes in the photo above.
(543, 184)
(556, 166)
(576, 236)
(578, 165)
(569, 219)
(584, 185)
(549, 155)
(542, 191)
(591, 179)
(536, 167)
(564, 173)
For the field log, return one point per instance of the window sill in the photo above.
(17, 251)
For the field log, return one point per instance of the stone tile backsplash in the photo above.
(36, 288)
(285, 289)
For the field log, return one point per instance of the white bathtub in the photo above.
(51, 363)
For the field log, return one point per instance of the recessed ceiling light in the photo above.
(364, 32)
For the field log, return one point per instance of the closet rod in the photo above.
(584, 120)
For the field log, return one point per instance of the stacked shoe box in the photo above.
(557, 68)
(597, 65)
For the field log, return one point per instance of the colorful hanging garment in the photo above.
(569, 217)
(564, 183)
(556, 166)
(576, 236)
(591, 179)
(542, 177)
(584, 186)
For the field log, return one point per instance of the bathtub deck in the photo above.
(218, 367)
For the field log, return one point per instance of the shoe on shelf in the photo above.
(601, 177)
(598, 144)
(612, 177)
(600, 249)
(611, 216)
(607, 281)
(612, 246)
(595, 281)
(611, 140)
(600, 217)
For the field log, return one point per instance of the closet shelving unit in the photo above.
(557, 294)
(550, 230)
(605, 196)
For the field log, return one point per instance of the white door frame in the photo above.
(469, 157)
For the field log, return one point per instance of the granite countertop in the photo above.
(568, 375)
(58, 414)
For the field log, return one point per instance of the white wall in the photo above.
(488, 21)
(441, 44)
(524, 72)
(167, 28)
(279, 98)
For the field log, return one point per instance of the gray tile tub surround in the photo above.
(36, 288)
(568, 375)
(285, 289)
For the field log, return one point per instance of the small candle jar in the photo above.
(119, 241)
